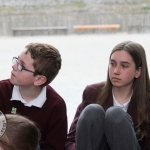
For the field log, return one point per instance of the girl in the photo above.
(20, 134)
(115, 114)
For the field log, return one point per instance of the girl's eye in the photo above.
(124, 66)
(112, 63)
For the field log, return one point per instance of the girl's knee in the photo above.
(115, 115)
(92, 112)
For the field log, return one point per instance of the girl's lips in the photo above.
(115, 79)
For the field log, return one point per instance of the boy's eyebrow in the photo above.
(21, 61)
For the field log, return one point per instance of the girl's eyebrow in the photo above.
(124, 62)
(112, 60)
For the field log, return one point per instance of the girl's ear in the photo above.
(138, 72)
(39, 80)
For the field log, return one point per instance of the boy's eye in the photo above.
(23, 66)
(19, 66)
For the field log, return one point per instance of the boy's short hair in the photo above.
(47, 60)
(21, 134)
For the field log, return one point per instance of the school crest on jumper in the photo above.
(14, 110)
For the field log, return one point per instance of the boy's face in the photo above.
(24, 77)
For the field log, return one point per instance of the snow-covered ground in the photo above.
(84, 60)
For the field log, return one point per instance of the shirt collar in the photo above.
(123, 106)
(38, 101)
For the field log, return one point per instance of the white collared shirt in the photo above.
(38, 101)
(123, 106)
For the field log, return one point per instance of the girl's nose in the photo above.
(117, 70)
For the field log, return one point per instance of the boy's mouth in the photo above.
(12, 74)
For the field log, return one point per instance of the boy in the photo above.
(27, 93)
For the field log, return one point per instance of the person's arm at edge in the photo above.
(55, 136)
(147, 139)
(70, 142)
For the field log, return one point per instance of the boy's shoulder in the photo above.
(5, 83)
(51, 90)
(54, 100)
(52, 94)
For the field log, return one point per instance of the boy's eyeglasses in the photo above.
(20, 67)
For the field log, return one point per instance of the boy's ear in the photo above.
(39, 80)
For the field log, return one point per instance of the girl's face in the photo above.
(122, 69)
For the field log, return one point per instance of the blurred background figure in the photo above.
(20, 134)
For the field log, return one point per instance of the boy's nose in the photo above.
(14, 66)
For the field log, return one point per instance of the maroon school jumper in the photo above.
(89, 96)
(51, 117)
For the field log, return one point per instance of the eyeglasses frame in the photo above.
(23, 68)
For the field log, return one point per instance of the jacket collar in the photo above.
(132, 109)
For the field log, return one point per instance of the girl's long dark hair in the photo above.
(141, 85)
